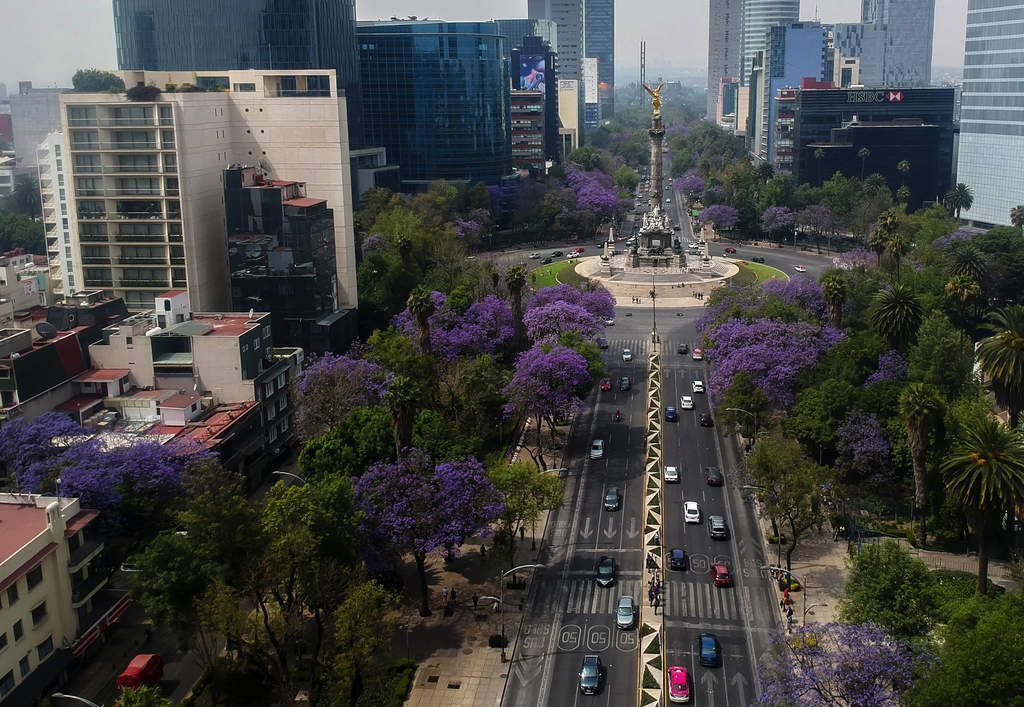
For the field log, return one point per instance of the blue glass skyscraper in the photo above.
(436, 95)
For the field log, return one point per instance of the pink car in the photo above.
(678, 684)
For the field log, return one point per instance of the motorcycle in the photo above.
(618, 416)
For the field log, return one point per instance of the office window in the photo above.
(24, 667)
(34, 577)
(12, 594)
(44, 649)
(38, 614)
(7, 683)
(3, 640)
(18, 631)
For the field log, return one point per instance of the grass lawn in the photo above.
(756, 272)
(560, 273)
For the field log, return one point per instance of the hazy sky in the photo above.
(46, 40)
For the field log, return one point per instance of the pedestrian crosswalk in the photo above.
(641, 346)
(681, 598)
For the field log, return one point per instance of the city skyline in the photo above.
(85, 36)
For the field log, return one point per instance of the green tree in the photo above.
(528, 492)
(168, 576)
(363, 628)
(819, 157)
(960, 197)
(1017, 217)
(834, 290)
(942, 356)
(626, 178)
(741, 398)
(350, 448)
(1001, 357)
(863, 154)
(515, 281)
(97, 81)
(142, 697)
(20, 231)
(402, 402)
(962, 291)
(896, 313)
(421, 307)
(890, 588)
(903, 167)
(24, 197)
(442, 437)
(587, 158)
(985, 476)
(818, 413)
(921, 409)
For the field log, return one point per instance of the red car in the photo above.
(606, 384)
(579, 249)
(144, 670)
(721, 576)
(730, 250)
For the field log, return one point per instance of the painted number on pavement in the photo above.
(569, 637)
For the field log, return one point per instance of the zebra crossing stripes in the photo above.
(638, 347)
(700, 600)
(587, 597)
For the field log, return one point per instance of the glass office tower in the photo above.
(599, 43)
(758, 16)
(199, 35)
(436, 96)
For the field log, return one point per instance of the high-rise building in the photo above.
(591, 94)
(436, 96)
(757, 17)
(724, 46)
(200, 35)
(515, 30)
(35, 113)
(568, 16)
(569, 115)
(909, 27)
(599, 43)
(535, 69)
(146, 175)
(528, 131)
(991, 122)
(61, 253)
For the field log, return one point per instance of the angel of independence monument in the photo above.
(655, 237)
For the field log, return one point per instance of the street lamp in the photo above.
(745, 412)
(294, 476)
(75, 698)
(501, 600)
(654, 313)
(812, 606)
(803, 586)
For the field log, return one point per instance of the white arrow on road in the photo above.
(632, 532)
(610, 530)
(739, 681)
(709, 679)
(743, 546)
(586, 532)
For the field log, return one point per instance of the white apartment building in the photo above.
(50, 600)
(60, 251)
(148, 193)
(23, 285)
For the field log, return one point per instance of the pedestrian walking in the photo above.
(476, 601)
(444, 596)
(452, 596)
(650, 596)
(483, 551)
(657, 603)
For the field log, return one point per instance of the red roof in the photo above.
(79, 403)
(172, 293)
(208, 432)
(103, 375)
(282, 182)
(81, 520)
(21, 522)
(304, 202)
(179, 401)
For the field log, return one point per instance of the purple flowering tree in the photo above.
(485, 327)
(722, 217)
(773, 352)
(863, 446)
(801, 292)
(332, 386)
(596, 198)
(548, 322)
(819, 221)
(839, 665)
(373, 243)
(858, 259)
(892, 367)
(777, 219)
(597, 300)
(546, 383)
(690, 185)
(957, 236)
(421, 508)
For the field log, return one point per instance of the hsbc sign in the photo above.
(874, 96)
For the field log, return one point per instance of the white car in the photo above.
(572, 256)
(597, 449)
(609, 322)
(671, 475)
(691, 512)
(686, 402)
(800, 268)
(698, 386)
(534, 256)
(627, 355)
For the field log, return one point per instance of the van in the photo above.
(145, 670)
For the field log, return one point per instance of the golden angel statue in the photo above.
(655, 96)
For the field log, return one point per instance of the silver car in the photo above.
(625, 614)
(671, 475)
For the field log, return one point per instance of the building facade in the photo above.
(147, 192)
(535, 68)
(599, 43)
(568, 16)
(157, 35)
(991, 154)
(24, 287)
(436, 96)
(724, 47)
(528, 131)
(908, 27)
(570, 116)
(757, 17)
(61, 252)
(591, 94)
(514, 30)
(35, 113)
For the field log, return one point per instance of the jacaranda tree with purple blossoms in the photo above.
(800, 292)
(777, 219)
(722, 217)
(840, 665)
(595, 299)
(550, 321)
(690, 184)
(863, 448)
(484, 328)
(332, 386)
(422, 508)
(546, 383)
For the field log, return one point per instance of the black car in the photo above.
(612, 499)
(708, 649)
(546, 261)
(591, 675)
(718, 529)
(714, 476)
(757, 259)
(705, 420)
(624, 383)
(557, 254)
(604, 571)
(682, 349)
(602, 343)
(677, 559)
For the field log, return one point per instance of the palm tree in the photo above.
(25, 195)
(888, 222)
(515, 280)
(421, 307)
(1001, 357)
(903, 167)
(963, 290)
(819, 155)
(920, 408)
(967, 260)
(896, 313)
(898, 245)
(1017, 217)
(833, 287)
(985, 476)
(400, 399)
(903, 195)
(863, 153)
(957, 198)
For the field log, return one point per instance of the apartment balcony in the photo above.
(139, 238)
(86, 552)
(81, 592)
(179, 282)
(94, 238)
(96, 260)
(118, 147)
(98, 282)
(115, 193)
(135, 284)
(112, 122)
(87, 169)
(134, 260)
(177, 260)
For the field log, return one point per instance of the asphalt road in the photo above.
(569, 616)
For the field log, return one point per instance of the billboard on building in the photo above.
(531, 72)
(590, 79)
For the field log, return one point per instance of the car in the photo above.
(708, 649)
(671, 415)
(144, 670)
(714, 477)
(572, 256)
(686, 402)
(591, 675)
(597, 449)
(677, 227)
(613, 499)
(579, 249)
(693, 244)
(721, 576)
(697, 354)
(678, 684)
(602, 343)
(691, 512)
(682, 349)
(546, 261)
(609, 322)
(668, 201)
(757, 259)
(698, 386)
(557, 254)
(705, 420)
(624, 383)
(718, 529)
(800, 268)
(677, 559)
(533, 256)
(606, 384)
(625, 613)
(671, 474)
(730, 251)
(627, 355)
(604, 571)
